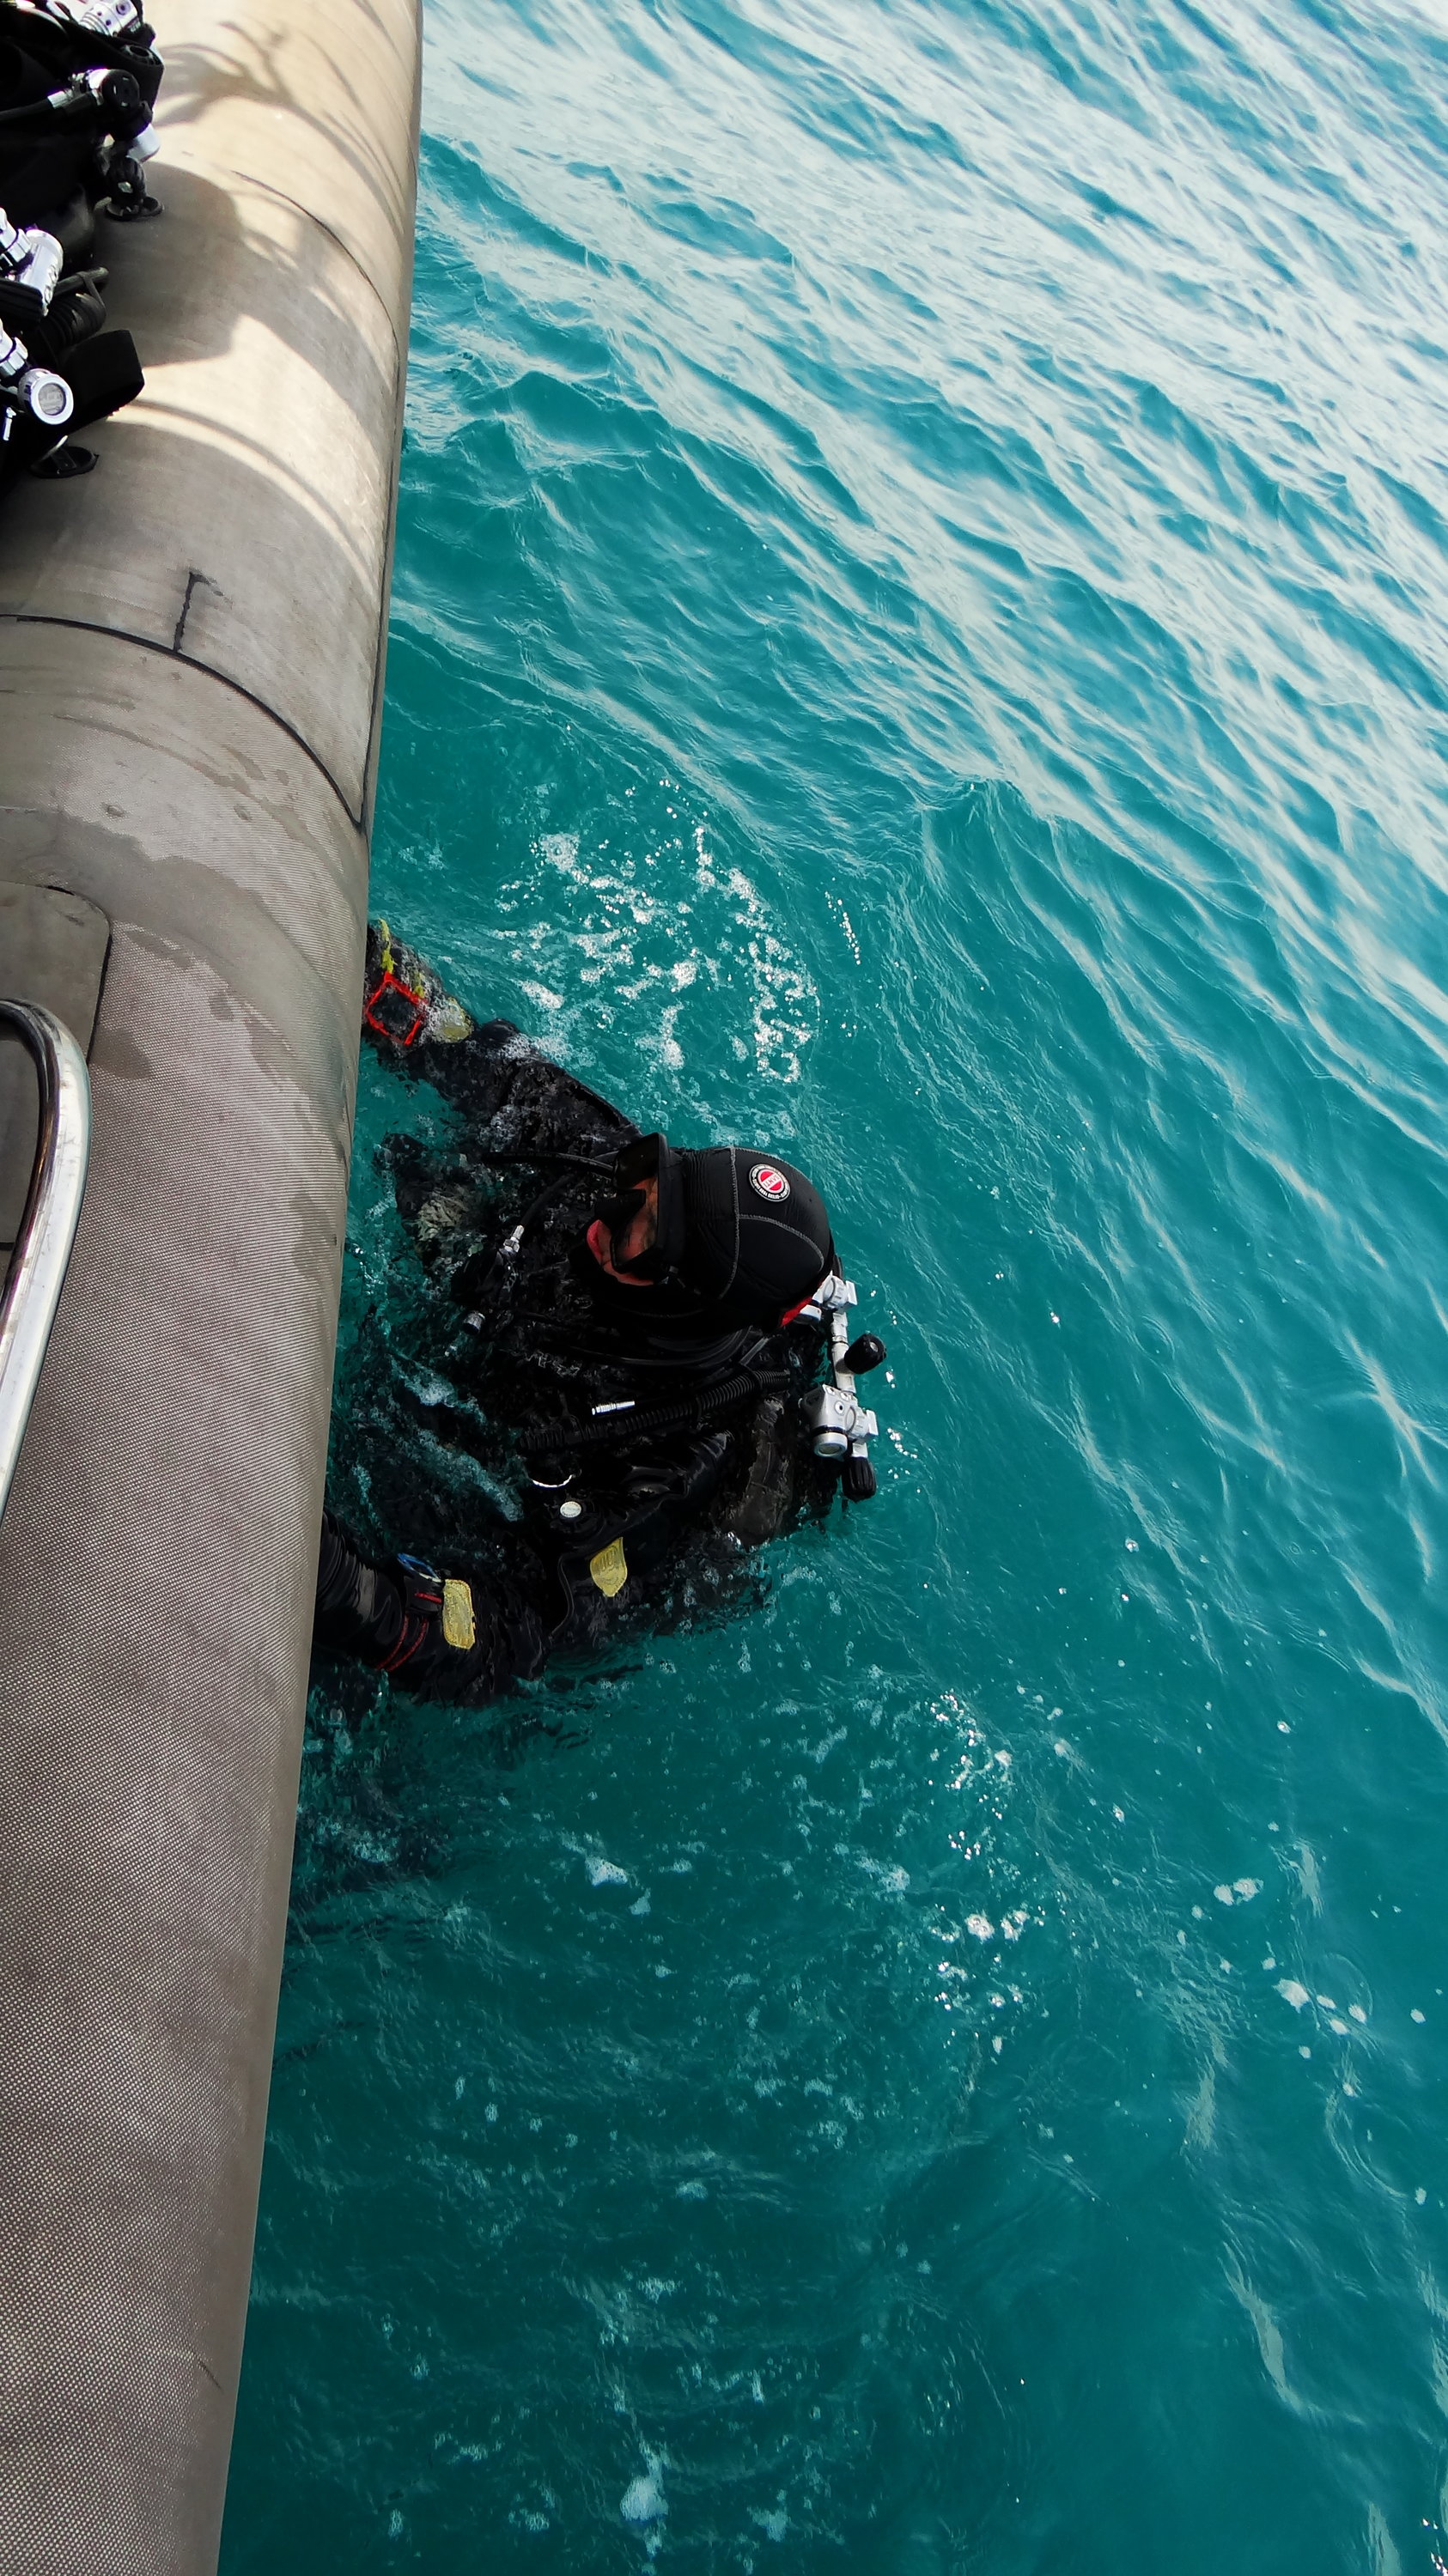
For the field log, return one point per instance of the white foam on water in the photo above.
(642, 2500)
(1293, 1993)
(606, 1873)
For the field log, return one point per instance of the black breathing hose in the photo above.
(685, 1413)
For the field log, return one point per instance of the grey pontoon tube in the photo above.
(47, 1228)
(191, 651)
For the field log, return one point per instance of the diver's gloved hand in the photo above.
(429, 1631)
(404, 1003)
(453, 1645)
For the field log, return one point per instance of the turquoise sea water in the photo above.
(919, 639)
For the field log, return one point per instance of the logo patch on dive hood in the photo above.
(769, 1181)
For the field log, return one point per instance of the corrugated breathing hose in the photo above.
(685, 1413)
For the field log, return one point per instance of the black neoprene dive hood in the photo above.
(745, 1235)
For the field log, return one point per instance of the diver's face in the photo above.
(626, 1245)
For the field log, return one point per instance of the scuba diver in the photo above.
(631, 1355)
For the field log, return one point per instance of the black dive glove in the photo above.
(454, 1645)
(428, 1631)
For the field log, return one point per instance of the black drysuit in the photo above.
(614, 1450)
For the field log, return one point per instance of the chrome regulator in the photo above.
(29, 269)
(841, 1426)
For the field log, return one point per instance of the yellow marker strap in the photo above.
(609, 1568)
(458, 1624)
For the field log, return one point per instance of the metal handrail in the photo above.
(47, 1227)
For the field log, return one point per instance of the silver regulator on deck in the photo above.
(107, 86)
(110, 92)
(841, 1426)
(30, 264)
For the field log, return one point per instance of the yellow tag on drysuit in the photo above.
(609, 1568)
(458, 1624)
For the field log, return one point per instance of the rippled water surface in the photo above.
(919, 639)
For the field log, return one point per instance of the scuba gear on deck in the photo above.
(37, 390)
(50, 379)
(66, 37)
(64, 464)
(96, 379)
(30, 265)
(79, 81)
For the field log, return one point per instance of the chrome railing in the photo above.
(47, 1228)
